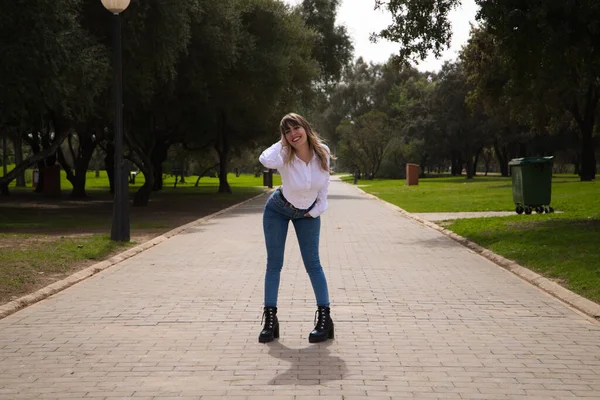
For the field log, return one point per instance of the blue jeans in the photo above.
(277, 215)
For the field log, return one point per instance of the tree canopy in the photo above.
(197, 74)
(548, 49)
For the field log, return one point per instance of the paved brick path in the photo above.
(417, 316)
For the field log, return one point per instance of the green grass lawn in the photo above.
(564, 246)
(39, 258)
(243, 187)
(44, 239)
(491, 193)
(101, 182)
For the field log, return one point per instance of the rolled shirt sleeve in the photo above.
(272, 157)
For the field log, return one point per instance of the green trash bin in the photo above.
(531, 184)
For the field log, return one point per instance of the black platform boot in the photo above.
(271, 328)
(324, 326)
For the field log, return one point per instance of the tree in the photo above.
(272, 73)
(185, 114)
(156, 36)
(551, 47)
(352, 97)
(332, 47)
(418, 136)
(365, 141)
(510, 109)
(555, 54)
(420, 26)
(365, 87)
(47, 57)
(464, 126)
(344, 100)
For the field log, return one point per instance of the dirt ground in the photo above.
(45, 219)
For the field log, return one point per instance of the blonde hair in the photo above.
(314, 141)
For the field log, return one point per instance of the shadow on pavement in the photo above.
(440, 242)
(254, 208)
(346, 197)
(312, 365)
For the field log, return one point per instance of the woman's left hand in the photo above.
(307, 215)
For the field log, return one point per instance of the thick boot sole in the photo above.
(269, 338)
(322, 338)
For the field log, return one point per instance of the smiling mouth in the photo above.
(296, 139)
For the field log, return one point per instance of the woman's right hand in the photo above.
(283, 141)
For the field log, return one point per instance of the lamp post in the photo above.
(120, 222)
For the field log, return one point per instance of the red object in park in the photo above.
(412, 174)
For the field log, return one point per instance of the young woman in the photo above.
(303, 163)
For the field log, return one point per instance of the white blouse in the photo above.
(302, 183)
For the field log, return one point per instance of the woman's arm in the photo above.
(321, 205)
(272, 157)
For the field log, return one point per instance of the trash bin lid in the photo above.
(531, 160)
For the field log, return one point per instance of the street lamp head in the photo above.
(115, 6)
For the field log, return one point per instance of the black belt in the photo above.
(290, 204)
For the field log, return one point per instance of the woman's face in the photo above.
(295, 135)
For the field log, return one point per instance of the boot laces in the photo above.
(270, 318)
(322, 318)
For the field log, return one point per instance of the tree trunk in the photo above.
(81, 160)
(422, 166)
(158, 156)
(78, 183)
(204, 172)
(109, 164)
(222, 147)
(66, 167)
(475, 162)
(586, 122)
(157, 176)
(470, 166)
(453, 167)
(588, 156)
(82, 163)
(18, 145)
(502, 156)
(457, 164)
(487, 160)
(142, 196)
(4, 155)
(223, 183)
(4, 188)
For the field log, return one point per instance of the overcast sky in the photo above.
(361, 20)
